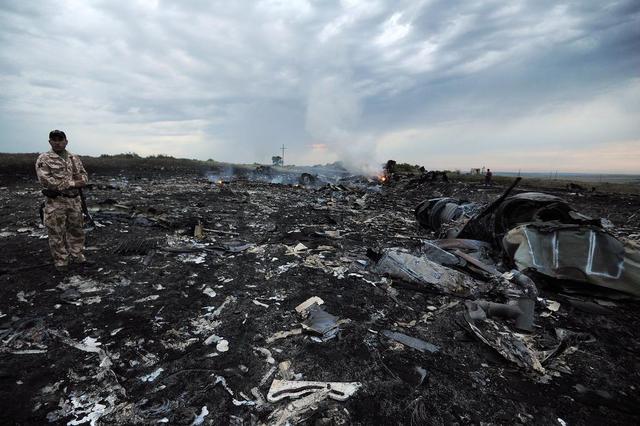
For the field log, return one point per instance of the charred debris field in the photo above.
(192, 308)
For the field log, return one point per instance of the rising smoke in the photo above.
(332, 117)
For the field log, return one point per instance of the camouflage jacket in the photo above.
(55, 172)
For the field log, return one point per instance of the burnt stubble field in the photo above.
(178, 317)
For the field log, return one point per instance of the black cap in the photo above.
(57, 135)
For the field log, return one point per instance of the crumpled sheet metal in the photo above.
(321, 323)
(523, 349)
(575, 252)
(514, 347)
(399, 263)
(434, 213)
(531, 207)
(340, 391)
(438, 255)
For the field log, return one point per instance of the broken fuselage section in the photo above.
(543, 233)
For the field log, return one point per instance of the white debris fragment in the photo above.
(340, 391)
(307, 395)
(264, 305)
(238, 403)
(147, 299)
(92, 300)
(296, 250)
(21, 298)
(212, 339)
(193, 258)
(209, 292)
(339, 272)
(284, 334)
(551, 305)
(151, 377)
(606, 224)
(281, 269)
(91, 342)
(304, 306)
(82, 285)
(200, 418)
(97, 411)
(267, 375)
(222, 346)
(221, 380)
(116, 331)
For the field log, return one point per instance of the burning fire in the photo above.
(383, 178)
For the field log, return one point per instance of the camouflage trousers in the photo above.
(63, 220)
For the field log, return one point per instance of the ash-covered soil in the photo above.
(140, 338)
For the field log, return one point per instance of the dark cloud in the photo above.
(234, 81)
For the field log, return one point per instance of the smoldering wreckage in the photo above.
(305, 299)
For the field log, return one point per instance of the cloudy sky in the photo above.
(534, 85)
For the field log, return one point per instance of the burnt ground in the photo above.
(150, 313)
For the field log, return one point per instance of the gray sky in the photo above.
(538, 85)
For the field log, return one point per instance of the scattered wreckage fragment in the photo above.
(307, 397)
(322, 325)
(281, 389)
(523, 349)
(412, 342)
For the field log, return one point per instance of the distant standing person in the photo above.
(61, 174)
(487, 177)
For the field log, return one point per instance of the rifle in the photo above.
(85, 210)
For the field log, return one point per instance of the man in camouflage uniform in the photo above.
(61, 174)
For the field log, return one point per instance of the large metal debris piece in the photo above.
(528, 207)
(541, 232)
(434, 213)
(574, 252)
(439, 255)
(399, 263)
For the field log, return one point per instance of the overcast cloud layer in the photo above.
(538, 85)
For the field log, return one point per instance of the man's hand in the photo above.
(76, 183)
(73, 184)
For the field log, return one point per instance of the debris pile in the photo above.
(240, 298)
